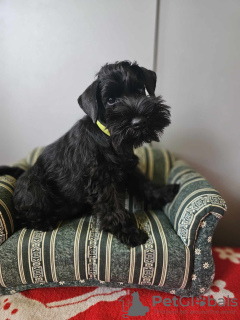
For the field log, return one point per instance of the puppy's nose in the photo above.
(139, 122)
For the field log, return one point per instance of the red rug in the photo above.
(117, 303)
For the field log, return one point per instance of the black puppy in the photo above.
(88, 170)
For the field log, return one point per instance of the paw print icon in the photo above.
(201, 301)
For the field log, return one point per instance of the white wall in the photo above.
(199, 77)
(50, 52)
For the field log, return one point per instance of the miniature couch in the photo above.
(177, 258)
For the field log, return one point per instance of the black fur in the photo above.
(87, 171)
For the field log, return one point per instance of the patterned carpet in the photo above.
(220, 302)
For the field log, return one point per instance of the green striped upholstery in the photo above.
(156, 163)
(78, 254)
(77, 251)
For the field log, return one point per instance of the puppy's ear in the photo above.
(150, 80)
(88, 101)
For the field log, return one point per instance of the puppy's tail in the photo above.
(31, 199)
(15, 172)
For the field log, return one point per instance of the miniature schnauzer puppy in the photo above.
(89, 169)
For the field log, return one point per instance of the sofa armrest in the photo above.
(7, 216)
(196, 199)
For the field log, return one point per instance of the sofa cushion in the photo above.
(77, 251)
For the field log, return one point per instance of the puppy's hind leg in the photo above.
(140, 186)
(32, 200)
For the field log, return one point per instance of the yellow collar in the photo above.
(103, 128)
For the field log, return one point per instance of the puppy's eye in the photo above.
(111, 101)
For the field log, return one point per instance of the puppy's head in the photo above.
(122, 99)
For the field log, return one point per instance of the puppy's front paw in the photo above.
(134, 237)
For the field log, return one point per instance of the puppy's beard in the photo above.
(119, 118)
(133, 138)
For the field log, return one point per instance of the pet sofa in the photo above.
(177, 258)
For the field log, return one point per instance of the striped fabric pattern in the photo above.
(77, 253)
